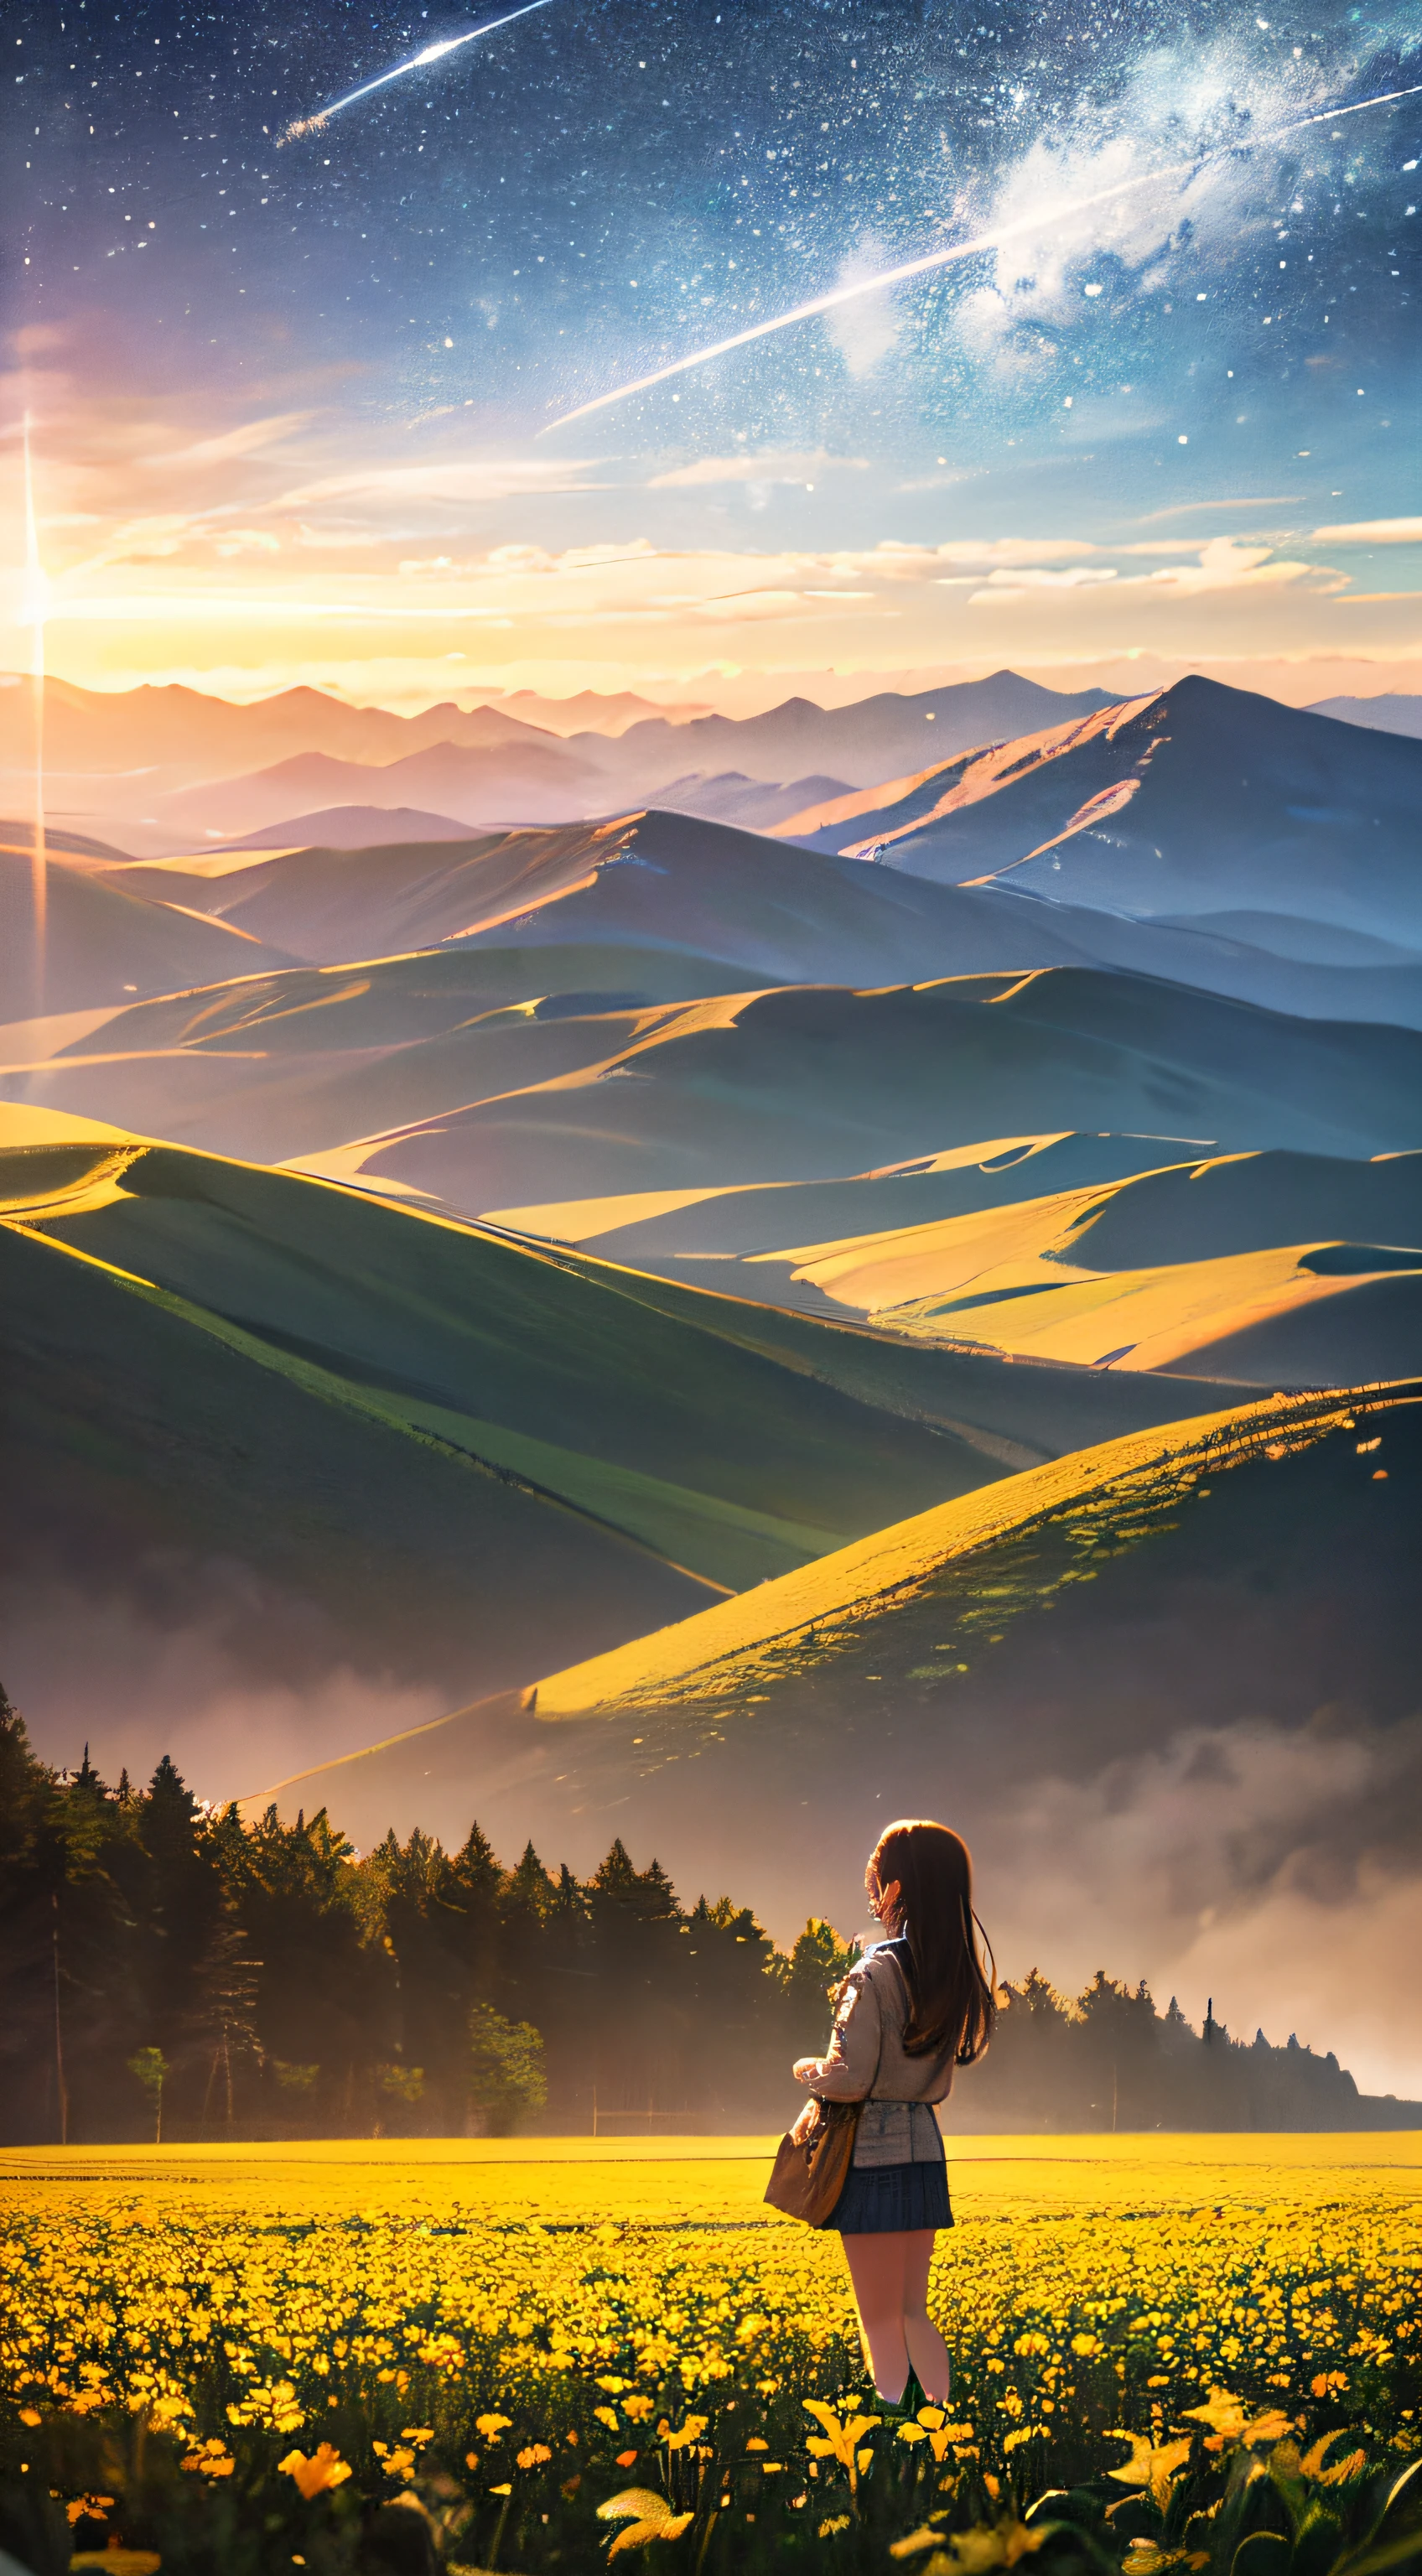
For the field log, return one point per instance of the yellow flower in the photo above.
(211, 2460)
(840, 2439)
(691, 2431)
(1230, 2421)
(324, 2469)
(534, 2456)
(648, 2517)
(1150, 2467)
(89, 2504)
(492, 2425)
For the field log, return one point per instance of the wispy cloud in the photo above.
(769, 467)
(1371, 532)
(250, 438)
(1237, 501)
(474, 479)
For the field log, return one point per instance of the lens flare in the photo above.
(36, 601)
(1038, 221)
(302, 125)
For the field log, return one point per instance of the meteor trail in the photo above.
(1036, 222)
(431, 54)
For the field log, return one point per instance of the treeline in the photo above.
(1110, 2060)
(168, 1970)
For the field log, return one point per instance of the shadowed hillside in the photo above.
(102, 941)
(1096, 1666)
(1193, 800)
(517, 1106)
(661, 905)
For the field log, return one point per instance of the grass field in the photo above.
(507, 2336)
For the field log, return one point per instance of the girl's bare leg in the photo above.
(877, 2270)
(926, 2348)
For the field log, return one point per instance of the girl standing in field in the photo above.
(917, 2004)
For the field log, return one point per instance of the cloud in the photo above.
(1036, 579)
(1241, 501)
(247, 440)
(488, 478)
(865, 331)
(766, 468)
(246, 541)
(983, 554)
(248, 1685)
(756, 605)
(1226, 564)
(1222, 564)
(1273, 1868)
(1371, 532)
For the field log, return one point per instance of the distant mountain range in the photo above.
(350, 827)
(171, 762)
(661, 906)
(1385, 714)
(1196, 800)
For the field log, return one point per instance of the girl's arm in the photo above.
(846, 2071)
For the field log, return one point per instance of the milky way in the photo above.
(1000, 238)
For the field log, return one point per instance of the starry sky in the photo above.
(293, 394)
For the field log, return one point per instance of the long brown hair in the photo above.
(951, 1992)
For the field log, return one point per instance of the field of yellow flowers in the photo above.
(1162, 2357)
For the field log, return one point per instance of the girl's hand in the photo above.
(804, 2068)
(807, 2123)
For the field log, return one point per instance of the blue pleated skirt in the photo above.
(890, 2200)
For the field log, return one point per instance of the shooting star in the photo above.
(431, 54)
(1038, 221)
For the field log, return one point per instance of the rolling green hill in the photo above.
(1278, 1269)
